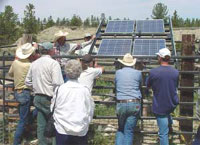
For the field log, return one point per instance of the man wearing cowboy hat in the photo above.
(128, 95)
(63, 48)
(85, 50)
(164, 80)
(19, 70)
(43, 76)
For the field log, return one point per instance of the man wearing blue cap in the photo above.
(164, 81)
(43, 76)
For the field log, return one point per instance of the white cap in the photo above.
(164, 52)
(88, 35)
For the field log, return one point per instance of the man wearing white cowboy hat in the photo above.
(164, 80)
(128, 95)
(19, 70)
(44, 76)
(85, 50)
(64, 48)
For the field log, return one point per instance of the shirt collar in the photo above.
(46, 56)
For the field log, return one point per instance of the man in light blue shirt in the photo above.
(128, 95)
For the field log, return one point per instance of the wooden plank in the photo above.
(9, 103)
(187, 80)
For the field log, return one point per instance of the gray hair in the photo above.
(73, 69)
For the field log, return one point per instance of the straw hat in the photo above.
(128, 60)
(59, 35)
(25, 51)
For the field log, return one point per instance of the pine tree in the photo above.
(29, 21)
(9, 31)
(160, 11)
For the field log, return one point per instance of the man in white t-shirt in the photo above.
(88, 39)
(89, 73)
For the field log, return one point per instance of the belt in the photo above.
(21, 90)
(129, 100)
(43, 95)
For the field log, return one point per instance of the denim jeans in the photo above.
(197, 138)
(63, 139)
(42, 104)
(164, 121)
(128, 114)
(24, 109)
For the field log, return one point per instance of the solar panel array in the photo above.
(115, 47)
(150, 26)
(120, 26)
(119, 47)
(147, 46)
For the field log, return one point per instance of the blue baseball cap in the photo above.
(46, 45)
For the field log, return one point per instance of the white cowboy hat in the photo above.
(25, 51)
(128, 60)
(59, 35)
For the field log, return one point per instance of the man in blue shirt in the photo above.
(128, 95)
(164, 80)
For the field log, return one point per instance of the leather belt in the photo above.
(129, 100)
(43, 95)
(21, 90)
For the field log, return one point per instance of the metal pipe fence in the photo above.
(98, 87)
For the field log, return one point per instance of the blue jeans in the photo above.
(164, 122)
(63, 139)
(127, 114)
(24, 109)
(197, 138)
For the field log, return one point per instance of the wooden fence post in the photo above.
(187, 80)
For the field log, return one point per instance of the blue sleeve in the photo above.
(148, 80)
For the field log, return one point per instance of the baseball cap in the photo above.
(46, 45)
(164, 52)
(87, 58)
(87, 35)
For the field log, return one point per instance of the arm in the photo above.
(98, 66)
(57, 78)
(88, 42)
(11, 72)
(28, 80)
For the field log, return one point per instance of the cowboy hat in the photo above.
(25, 51)
(128, 60)
(59, 35)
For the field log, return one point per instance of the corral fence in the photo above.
(188, 88)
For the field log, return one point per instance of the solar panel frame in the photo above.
(150, 26)
(147, 47)
(120, 26)
(114, 47)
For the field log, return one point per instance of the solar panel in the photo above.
(150, 26)
(120, 26)
(147, 46)
(114, 47)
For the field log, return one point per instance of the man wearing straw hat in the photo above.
(43, 76)
(128, 95)
(64, 48)
(19, 70)
(164, 81)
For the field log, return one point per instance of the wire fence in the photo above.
(1, 130)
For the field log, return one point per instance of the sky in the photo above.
(132, 9)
